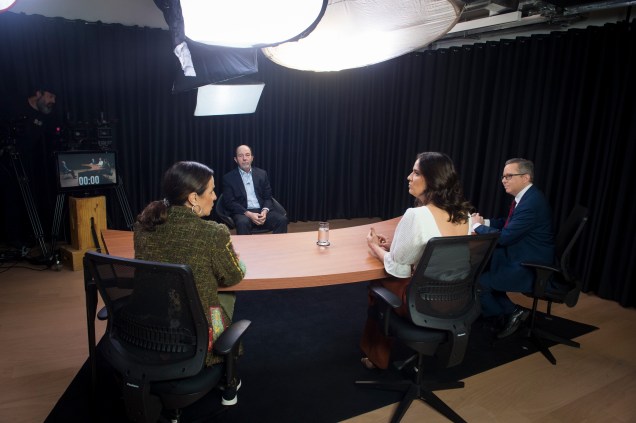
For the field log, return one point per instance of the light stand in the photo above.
(125, 206)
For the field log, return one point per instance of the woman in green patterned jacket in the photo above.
(171, 230)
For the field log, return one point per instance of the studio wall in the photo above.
(340, 145)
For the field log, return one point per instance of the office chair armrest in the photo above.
(537, 266)
(387, 296)
(544, 274)
(389, 299)
(552, 284)
(102, 314)
(279, 207)
(230, 337)
(227, 221)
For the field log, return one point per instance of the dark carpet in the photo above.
(301, 360)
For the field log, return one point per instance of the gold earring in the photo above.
(193, 208)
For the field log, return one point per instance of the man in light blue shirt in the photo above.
(247, 196)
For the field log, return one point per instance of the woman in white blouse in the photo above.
(440, 210)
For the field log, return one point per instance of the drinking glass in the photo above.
(323, 234)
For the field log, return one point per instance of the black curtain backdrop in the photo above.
(340, 145)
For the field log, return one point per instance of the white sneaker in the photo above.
(230, 396)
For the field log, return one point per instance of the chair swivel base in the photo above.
(537, 336)
(423, 392)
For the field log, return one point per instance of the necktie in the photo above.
(512, 209)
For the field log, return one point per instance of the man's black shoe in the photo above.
(514, 321)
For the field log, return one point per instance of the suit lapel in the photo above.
(239, 182)
(525, 201)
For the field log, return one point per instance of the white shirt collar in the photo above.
(242, 172)
(521, 193)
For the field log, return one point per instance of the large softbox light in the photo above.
(249, 23)
(6, 5)
(355, 33)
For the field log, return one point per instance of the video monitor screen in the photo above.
(77, 170)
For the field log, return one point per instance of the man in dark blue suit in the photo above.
(247, 196)
(525, 236)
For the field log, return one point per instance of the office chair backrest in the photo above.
(567, 236)
(442, 293)
(222, 213)
(157, 329)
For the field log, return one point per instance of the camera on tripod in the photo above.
(84, 162)
(10, 132)
(98, 134)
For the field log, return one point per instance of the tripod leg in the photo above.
(32, 212)
(125, 207)
(57, 219)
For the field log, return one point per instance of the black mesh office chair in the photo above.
(556, 284)
(442, 304)
(157, 335)
(226, 218)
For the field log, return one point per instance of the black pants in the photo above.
(275, 222)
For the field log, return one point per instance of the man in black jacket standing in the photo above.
(29, 149)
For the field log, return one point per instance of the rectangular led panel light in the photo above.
(229, 99)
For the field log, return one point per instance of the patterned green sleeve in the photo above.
(228, 269)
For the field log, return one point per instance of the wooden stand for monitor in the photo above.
(84, 213)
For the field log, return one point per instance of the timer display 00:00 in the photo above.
(88, 180)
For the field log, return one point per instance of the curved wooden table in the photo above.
(293, 260)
